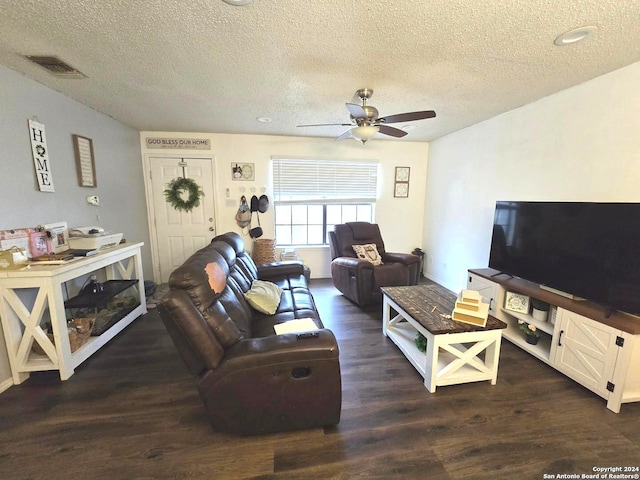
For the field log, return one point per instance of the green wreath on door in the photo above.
(177, 187)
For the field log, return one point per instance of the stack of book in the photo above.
(470, 308)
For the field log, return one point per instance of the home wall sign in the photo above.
(85, 161)
(40, 153)
(178, 143)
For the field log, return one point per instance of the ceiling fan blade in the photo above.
(345, 135)
(356, 111)
(407, 117)
(328, 125)
(394, 132)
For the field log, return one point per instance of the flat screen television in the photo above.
(589, 250)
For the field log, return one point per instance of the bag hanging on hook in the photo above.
(257, 231)
(243, 216)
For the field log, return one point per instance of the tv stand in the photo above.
(596, 346)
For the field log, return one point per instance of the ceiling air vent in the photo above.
(56, 67)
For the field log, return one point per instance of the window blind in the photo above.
(324, 181)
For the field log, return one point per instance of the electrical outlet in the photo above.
(93, 200)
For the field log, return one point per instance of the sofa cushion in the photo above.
(237, 307)
(264, 296)
(201, 346)
(390, 275)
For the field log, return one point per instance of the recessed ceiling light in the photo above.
(237, 3)
(574, 36)
(263, 119)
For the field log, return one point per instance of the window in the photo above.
(311, 196)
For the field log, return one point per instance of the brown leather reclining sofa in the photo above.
(251, 380)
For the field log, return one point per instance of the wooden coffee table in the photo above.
(456, 352)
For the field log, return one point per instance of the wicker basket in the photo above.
(79, 332)
(264, 250)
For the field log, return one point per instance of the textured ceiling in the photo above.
(206, 66)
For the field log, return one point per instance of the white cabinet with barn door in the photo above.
(597, 348)
(585, 350)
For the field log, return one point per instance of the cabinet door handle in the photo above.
(491, 304)
(560, 338)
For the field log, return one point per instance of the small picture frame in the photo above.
(401, 190)
(243, 172)
(85, 161)
(516, 302)
(402, 174)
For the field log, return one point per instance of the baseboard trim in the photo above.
(8, 383)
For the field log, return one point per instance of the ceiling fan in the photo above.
(365, 122)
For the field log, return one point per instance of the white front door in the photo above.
(179, 233)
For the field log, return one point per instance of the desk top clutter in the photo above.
(52, 243)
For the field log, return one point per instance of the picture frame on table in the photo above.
(517, 302)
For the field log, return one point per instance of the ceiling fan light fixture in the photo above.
(364, 132)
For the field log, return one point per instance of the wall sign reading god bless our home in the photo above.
(179, 143)
(40, 156)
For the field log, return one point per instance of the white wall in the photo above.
(582, 144)
(119, 175)
(400, 219)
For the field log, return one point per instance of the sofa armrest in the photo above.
(277, 349)
(280, 269)
(404, 258)
(353, 262)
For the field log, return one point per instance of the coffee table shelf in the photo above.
(455, 353)
(403, 335)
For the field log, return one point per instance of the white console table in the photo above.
(21, 323)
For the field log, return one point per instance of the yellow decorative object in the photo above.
(13, 258)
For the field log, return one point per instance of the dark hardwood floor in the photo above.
(132, 411)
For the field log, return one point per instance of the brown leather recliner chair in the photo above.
(359, 280)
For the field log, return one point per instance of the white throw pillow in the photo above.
(368, 252)
(264, 296)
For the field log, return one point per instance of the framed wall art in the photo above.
(243, 171)
(401, 185)
(85, 161)
(402, 174)
(401, 190)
